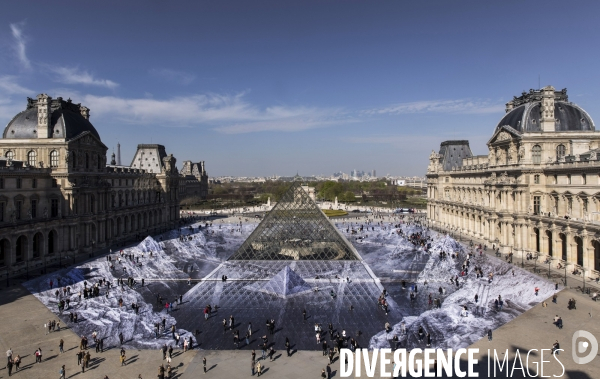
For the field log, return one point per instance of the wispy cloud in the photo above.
(20, 44)
(228, 114)
(466, 106)
(73, 75)
(180, 77)
(9, 86)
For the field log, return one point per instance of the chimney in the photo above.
(44, 128)
(547, 122)
(118, 154)
(85, 112)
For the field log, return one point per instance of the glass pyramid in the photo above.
(295, 229)
(286, 284)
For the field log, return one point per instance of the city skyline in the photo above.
(263, 88)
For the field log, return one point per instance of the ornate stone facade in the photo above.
(59, 198)
(538, 188)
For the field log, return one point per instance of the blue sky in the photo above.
(276, 87)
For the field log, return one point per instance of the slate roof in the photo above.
(66, 121)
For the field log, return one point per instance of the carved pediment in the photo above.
(504, 134)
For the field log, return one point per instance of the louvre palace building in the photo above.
(536, 191)
(60, 199)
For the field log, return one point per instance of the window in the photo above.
(10, 155)
(18, 182)
(54, 158)
(54, 208)
(54, 183)
(585, 205)
(560, 151)
(34, 183)
(555, 179)
(99, 162)
(32, 158)
(536, 205)
(33, 208)
(1, 211)
(536, 154)
(18, 208)
(583, 179)
(536, 179)
(74, 159)
(569, 179)
(1, 183)
(87, 160)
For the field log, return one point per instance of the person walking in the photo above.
(121, 338)
(258, 369)
(204, 364)
(9, 367)
(17, 362)
(61, 344)
(287, 346)
(62, 372)
(489, 335)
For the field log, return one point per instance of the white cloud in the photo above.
(180, 77)
(9, 86)
(73, 75)
(440, 106)
(228, 114)
(20, 44)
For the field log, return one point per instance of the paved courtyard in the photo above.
(201, 257)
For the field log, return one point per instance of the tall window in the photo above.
(33, 208)
(19, 183)
(87, 160)
(583, 179)
(74, 159)
(536, 154)
(54, 208)
(1, 211)
(54, 158)
(569, 179)
(560, 151)
(32, 158)
(18, 208)
(536, 205)
(536, 179)
(10, 155)
(34, 183)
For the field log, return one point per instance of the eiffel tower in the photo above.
(295, 229)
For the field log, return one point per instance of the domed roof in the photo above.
(66, 121)
(526, 116)
(569, 117)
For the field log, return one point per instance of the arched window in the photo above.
(560, 151)
(32, 158)
(536, 154)
(10, 155)
(54, 158)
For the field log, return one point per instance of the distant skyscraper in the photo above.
(374, 174)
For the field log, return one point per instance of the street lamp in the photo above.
(549, 263)
(565, 273)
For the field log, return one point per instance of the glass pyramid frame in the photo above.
(295, 229)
